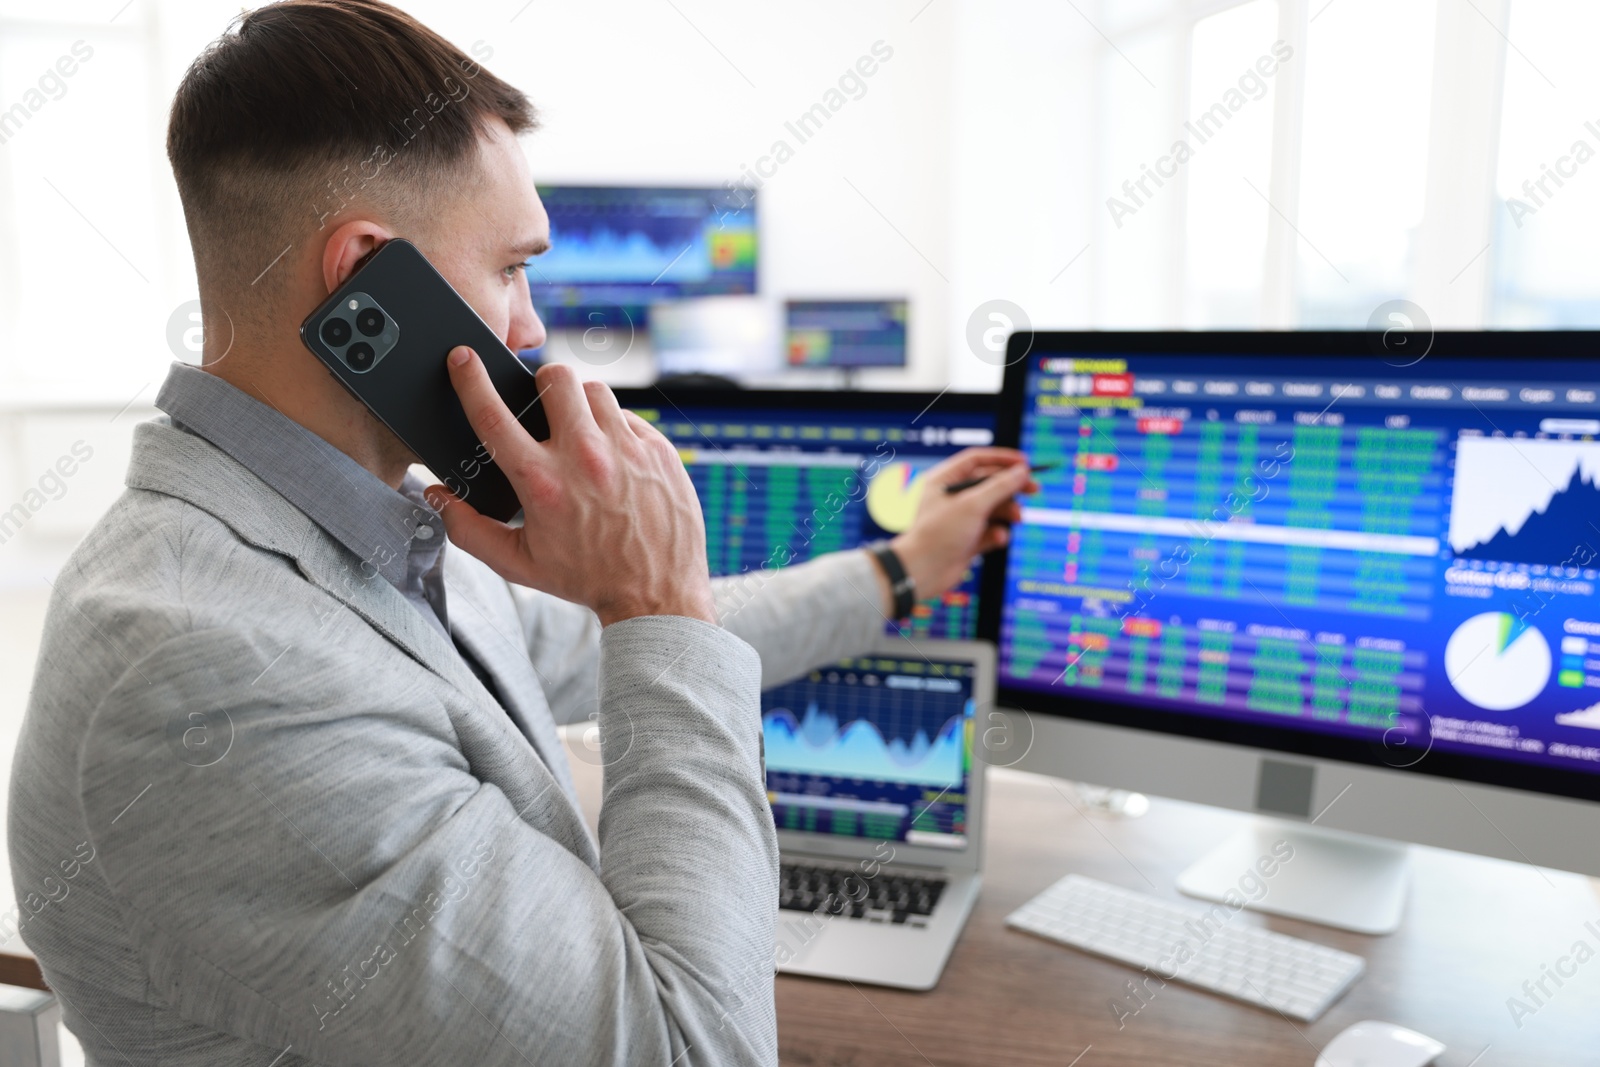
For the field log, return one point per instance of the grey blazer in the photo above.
(263, 813)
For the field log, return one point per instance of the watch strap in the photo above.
(900, 584)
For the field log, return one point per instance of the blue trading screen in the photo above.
(845, 333)
(615, 251)
(782, 486)
(1406, 556)
(876, 747)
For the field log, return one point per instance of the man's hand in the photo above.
(610, 518)
(951, 528)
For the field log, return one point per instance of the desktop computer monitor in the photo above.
(845, 333)
(1301, 575)
(734, 336)
(616, 250)
(789, 474)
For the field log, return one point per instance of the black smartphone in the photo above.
(385, 333)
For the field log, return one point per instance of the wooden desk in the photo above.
(1474, 931)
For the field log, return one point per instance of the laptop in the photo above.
(879, 809)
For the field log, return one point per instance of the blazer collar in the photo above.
(183, 465)
(355, 506)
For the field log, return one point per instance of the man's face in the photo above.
(481, 239)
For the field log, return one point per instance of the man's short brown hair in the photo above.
(307, 106)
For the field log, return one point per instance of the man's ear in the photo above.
(348, 247)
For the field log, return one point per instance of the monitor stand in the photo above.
(1342, 880)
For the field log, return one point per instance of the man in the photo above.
(289, 789)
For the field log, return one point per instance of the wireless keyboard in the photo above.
(1295, 977)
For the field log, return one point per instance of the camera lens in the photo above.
(359, 356)
(370, 321)
(336, 332)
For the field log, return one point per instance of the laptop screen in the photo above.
(877, 747)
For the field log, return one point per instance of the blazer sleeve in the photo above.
(340, 882)
(806, 615)
(796, 618)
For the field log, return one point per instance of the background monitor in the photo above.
(789, 474)
(1301, 574)
(617, 250)
(845, 333)
(735, 336)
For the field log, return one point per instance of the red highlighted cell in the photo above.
(1137, 627)
(1113, 385)
(1164, 426)
(1097, 461)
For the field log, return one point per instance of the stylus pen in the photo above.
(956, 487)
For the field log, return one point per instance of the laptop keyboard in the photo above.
(848, 892)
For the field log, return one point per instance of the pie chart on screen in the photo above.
(893, 494)
(1497, 663)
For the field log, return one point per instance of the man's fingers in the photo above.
(642, 426)
(491, 420)
(973, 463)
(605, 409)
(998, 488)
(475, 534)
(565, 403)
(1008, 512)
(992, 538)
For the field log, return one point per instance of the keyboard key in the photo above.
(849, 892)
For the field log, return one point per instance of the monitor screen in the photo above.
(845, 333)
(876, 747)
(616, 250)
(1263, 540)
(786, 475)
(735, 336)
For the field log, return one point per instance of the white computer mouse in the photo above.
(1378, 1044)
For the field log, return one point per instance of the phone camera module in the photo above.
(359, 356)
(358, 333)
(370, 321)
(336, 332)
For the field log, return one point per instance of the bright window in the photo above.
(1229, 129)
(1548, 179)
(1364, 156)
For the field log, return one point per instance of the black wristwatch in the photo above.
(900, 584)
